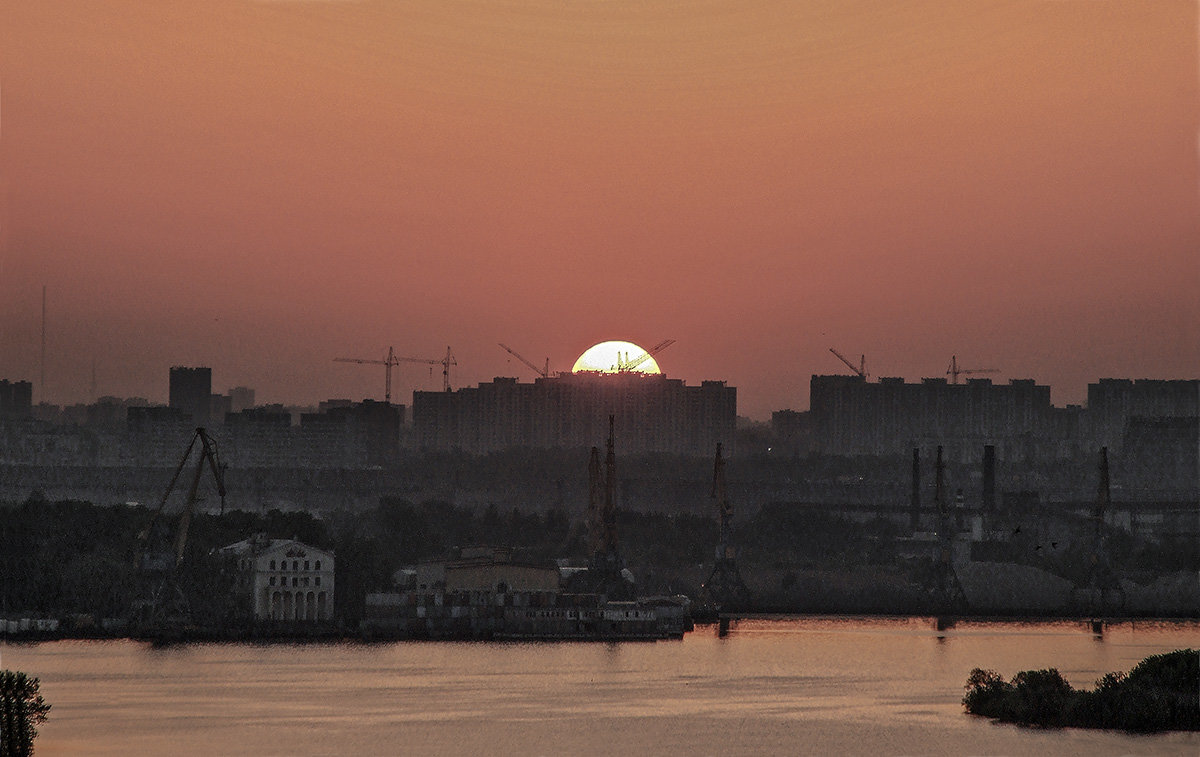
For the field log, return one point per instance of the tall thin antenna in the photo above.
(42, 384)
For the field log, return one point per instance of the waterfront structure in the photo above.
(190, 392)
(652, 413)
(482, 592)
(283, 579)
(489, 570)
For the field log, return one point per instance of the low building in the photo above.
(284, 579)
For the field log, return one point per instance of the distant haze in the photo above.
(261, 187)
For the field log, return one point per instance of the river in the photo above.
(876, 686)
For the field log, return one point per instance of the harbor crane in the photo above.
(164, 599)
(860, 369)
(628, 366)
(953, 371)
(393, 360)
(543, 372)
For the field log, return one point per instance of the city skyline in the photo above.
(263, 187)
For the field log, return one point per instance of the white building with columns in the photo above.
(284, 579)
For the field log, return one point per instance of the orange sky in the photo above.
(264, 186)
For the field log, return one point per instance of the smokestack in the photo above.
(938, 483)
(914, 503)
(43, 371)
(989, 478)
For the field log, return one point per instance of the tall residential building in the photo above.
(240, 398)
(190, 390)
(652, 413)
(16, 399)
(851, 416)
(1113, 403)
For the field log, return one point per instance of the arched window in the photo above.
(317, 581)
(272, 565)
(318, 564)
(306, 564)
(295, 565)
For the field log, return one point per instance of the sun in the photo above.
(615, 357)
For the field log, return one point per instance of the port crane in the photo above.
(860, 369)
(629, 366)
(163, 597)
(543, 372)
(392, 360)
(953, 371)
(724, 587)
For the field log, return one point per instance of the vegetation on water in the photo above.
(22, 709)
(1162, 693)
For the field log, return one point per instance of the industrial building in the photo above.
(652, 413)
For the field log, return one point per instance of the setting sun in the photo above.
(616, 357)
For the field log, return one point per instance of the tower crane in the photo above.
(860, 369)
(445, 362)
(393, 360)
(389, 362)
(953, 371)
(543, 372)
(628, 366)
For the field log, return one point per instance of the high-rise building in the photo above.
(190, 390)
(16, 399)
(1113, 403)
(652, 414)
(851, 416)
(240, 398)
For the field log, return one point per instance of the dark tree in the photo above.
(22, 709)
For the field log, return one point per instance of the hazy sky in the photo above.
(264, 186)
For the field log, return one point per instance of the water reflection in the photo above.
(770, 686)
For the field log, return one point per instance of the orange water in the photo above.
(809, 685)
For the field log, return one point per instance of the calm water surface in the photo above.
(812, 685)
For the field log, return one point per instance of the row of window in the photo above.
(295, 581)
(283, 565)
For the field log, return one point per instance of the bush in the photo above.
(1161, 693)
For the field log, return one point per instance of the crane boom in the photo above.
(543, 372)
(953, 371)
(445, 362)
(860, 369)
(632, 365)
(393, 360)
(389, 362)
(208, 453)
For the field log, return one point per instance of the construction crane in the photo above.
(629, 366)
(445, 362)
(164, 598)
(393, 360)
(860, 369)
(543, 372)
(953, 371)
(389, 362)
